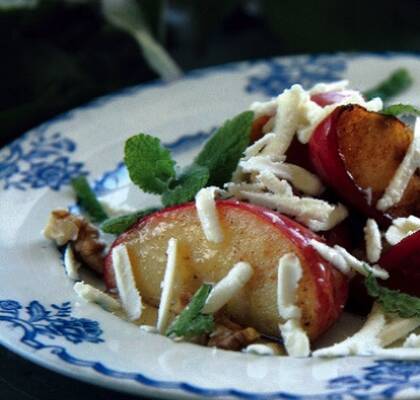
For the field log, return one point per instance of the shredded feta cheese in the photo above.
(167, 286)
(114, 211)
(362, 343)
(71, 265)
(207, 214)
(396, 188)
(295, 340)
(225, 289)
(126, 285)
(261, 108)
(300, 178)
(91, 294)
(289, 273)
(401, 228)
(373, 241)
(260, 349)
(337, 215)
(345, 262)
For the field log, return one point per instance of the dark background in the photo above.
(60, 54)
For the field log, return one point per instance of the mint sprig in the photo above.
(396, 83)
(393, 301)
(401, 109)
(118, 225)
(88, 200)
(152, 168)
(186, 186)
(149, 164)
(191, 322)
(222, 152)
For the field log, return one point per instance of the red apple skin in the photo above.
(331, 286)
(402, 261)
(329, 165)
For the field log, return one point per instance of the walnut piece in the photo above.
(64, 227)
(231, 336)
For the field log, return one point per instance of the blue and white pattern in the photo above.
(37, 320)
(383, 379)
(39, 160)
(47, 158)
(306, 70)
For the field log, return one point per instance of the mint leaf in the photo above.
(222, 152)
(88, 200)
(149, 164)
(118, 225)
(396, 83)
(401, 109)
(393, 301)
(191, 322)
(186, 186)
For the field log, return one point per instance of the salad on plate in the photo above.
(297, 210)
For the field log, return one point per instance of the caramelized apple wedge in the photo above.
(251, 233)
(357, 152)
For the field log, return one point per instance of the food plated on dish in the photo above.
(293, 210)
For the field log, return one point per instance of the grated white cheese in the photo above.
(167, 286)
(259, 145)
(373, 241)
(396, 188)
(295, 340)
(149, 328)
(126, 285)
(261, 108)
(329, 87)
(207, 214)
(314, 213)
(337, 215)
(345, 262)
(273, 184)
(71, 265)
(260, 349)
(362, 343)
(401, 228)
(226, 288)
(300, 178)
(289, 273)
(114, 211)
(93, 295)
(287, 119)
(413, 341)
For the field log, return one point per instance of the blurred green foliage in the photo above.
(62, 53)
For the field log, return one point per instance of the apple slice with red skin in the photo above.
(251, 233)
(402, 261)
(357, 152)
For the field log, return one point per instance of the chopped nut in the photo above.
(64, 227)
(231, 336)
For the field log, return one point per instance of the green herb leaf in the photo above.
(191, 322)
(222, 152)
(186, 186)
(118, 225)
(401, 109)
(393, 301)
(149, 164)
(396, 83)
(87, 199)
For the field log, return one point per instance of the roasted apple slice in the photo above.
(251, 233)
(357, 152)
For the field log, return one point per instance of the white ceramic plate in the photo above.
(42, 319)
